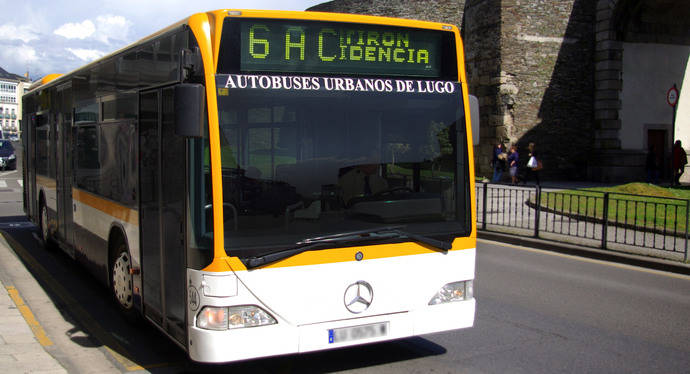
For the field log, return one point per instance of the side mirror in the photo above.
(190, 103)
(474, 117)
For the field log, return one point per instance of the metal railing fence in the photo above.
(650, 225)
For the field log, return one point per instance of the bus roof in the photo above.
(220, 14)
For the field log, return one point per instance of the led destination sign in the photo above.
(327, 47)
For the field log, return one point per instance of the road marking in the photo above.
(25, 311)
(21, 182)
(3, 183)
(590, 260)
(6, 173)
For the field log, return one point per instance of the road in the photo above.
(538, 312)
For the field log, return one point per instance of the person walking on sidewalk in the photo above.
(498, 163)
(680, 158)
(534, 164)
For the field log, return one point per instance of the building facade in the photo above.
(12, 88)
(586, 80)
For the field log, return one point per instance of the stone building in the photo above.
(586, 80)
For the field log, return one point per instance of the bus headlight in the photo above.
(248, 316)
(234, 317)
(456, 291)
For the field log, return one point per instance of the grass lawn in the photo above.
(638, 204)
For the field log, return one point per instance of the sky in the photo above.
(44, 36)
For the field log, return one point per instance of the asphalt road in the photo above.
(538, 312)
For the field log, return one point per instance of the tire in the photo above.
(43, 225)
(121, 283)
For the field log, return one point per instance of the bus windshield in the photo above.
(302, 163)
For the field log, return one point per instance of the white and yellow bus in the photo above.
(258, 183)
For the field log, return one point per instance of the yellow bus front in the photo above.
(331, 200)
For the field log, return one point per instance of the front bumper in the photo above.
(6, 162)
(283, 338)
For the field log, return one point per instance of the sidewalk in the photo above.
(36, 336)
(21, 348)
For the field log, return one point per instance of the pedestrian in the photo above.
(652, 166)
(513, 159)
(680, 158)
(534, 164)
(498, 163)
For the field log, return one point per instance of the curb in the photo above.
(598, 254)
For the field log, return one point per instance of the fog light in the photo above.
(456, 291)
(212, 318)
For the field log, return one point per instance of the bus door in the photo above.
(30, 198)
(162, 201)
(64, 169)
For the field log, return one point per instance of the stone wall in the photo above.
(482, 38)
(547, 85)
(448, 11)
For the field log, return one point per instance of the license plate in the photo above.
(346, 334)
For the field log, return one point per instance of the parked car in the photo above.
(8, 160)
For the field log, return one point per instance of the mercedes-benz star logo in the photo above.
(358, 297)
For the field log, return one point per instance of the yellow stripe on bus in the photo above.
(370, 252)
(110, 208)
(46, 182)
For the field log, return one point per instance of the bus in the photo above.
(259, 183)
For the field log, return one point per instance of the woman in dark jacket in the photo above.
(498, 163)
(513, 159)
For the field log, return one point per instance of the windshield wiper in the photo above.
(330, 241)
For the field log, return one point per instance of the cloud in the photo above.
(21, 54)
(17, 58)
(105, 29)
(23, 32)
(109, 27)
(86, 54)
(76, 30)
